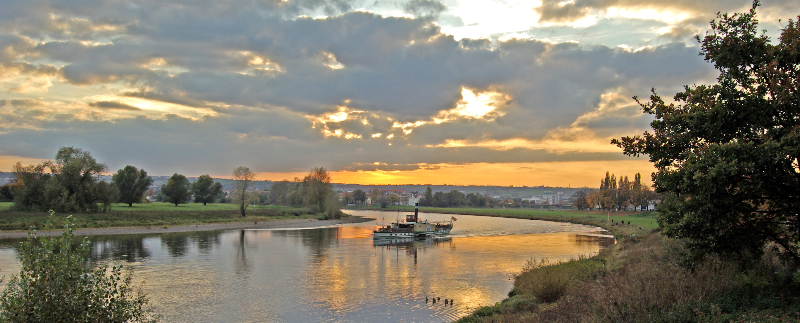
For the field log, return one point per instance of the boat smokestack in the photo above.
(416, 209)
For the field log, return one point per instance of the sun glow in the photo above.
(474, 105)
(573, 173)
(551, 146)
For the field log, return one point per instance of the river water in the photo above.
(335, 274)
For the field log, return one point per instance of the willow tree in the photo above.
(727, 155)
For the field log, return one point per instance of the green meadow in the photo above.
(153, 214)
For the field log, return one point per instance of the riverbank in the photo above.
(644, 277)
(165, 218)
(619, 224)
(269, 224)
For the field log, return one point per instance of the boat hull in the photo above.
(392, 235)
(388, 234)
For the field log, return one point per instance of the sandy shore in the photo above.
(278, 224)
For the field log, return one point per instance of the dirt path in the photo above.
(278, 224)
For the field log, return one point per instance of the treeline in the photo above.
(71, 184)
(616, 194)
(453, 199)
(314, 191)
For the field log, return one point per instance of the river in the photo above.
(335, 274)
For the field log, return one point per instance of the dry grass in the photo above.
(643, 281)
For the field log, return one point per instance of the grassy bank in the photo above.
(154, 214)
(642, 279)
(640, 222)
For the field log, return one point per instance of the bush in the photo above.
(56, 284)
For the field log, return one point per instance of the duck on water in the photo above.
(413, 227)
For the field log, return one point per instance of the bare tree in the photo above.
(242, 178)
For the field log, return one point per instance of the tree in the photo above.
(427, 200)
(608, 192)
(55, 284)
(348, 198)
(360, 196)
(439, 200)
(69, 184)
(727, 155)
(455, 198)
(177, 189)
(279, 193)
(623, 198)
(394, 199)
(316, 188)
(641, 194)
(131, 183)
(374, 194)
(29, 186)
(594, 198)
(477, 200)
(242, 178)
(580, 202)
(383, 200)
(6, 193)
(206, 190)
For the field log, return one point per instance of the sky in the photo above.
(522, 93)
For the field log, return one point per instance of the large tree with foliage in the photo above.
(360, 196)
(316, 188)
(206, 190)
(728, 155)
(279, 192)
(177, 189)
(242, 178)
(57, 284)
(131, 183)
(579, 200)
(69, 184)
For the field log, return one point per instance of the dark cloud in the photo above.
(558, 11)
(22, 103)
(426, 9)
(113, 105)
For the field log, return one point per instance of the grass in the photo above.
(153, 214)
(641, 280)
(641, 223)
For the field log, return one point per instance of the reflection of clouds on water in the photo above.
(337, 273)
(471, 225)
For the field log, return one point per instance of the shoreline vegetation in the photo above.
(644, 277)
(163, 218)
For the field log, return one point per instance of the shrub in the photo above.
(56, 284)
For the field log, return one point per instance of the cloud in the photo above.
(113, 105)
(283, 86)
(426, 9)
(565, 12)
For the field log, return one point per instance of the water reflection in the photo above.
(129, 248)
(333, 274)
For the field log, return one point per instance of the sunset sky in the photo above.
(378, 92)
